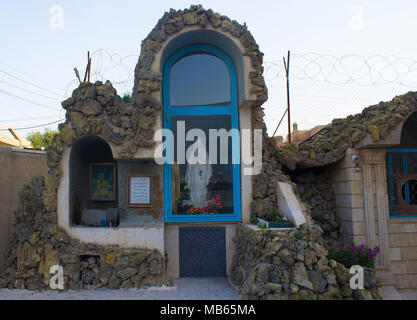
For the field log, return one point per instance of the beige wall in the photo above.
(403, 251)
(347, 185)
(17, 166)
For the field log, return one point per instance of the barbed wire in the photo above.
(120, 70)
(347, 69)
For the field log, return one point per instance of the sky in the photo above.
(345, 55)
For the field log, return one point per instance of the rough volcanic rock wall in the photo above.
(292, 265)
(330, 144)
(39, 244)
(264, 184)
(171, 23)
(317, 192)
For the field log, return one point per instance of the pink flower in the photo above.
(356, 259)
(218, 197)
(377, 249)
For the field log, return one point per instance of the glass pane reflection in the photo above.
(203, 188)
(199, 79)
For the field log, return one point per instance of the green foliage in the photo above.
(254, 219)
(297, 234)
(354, 254)
(127, 98)
(39, 140)
(272, 213)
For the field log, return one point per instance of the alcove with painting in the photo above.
(93, 187)
(108, 192)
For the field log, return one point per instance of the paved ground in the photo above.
(408, 294)
(391, 293)
(184, 289)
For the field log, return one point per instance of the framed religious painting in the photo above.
(139, 190)
(102, 181)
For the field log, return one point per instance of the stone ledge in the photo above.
(257, 228)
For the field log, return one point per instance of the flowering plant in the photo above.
(196, 210)
(213, 206)
(353, 254)
(272, 213)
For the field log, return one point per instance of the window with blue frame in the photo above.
(402, 181)
(200, 95)
(402, 172)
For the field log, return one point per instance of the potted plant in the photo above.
(272, 219)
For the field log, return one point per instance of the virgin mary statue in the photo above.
(197, 177)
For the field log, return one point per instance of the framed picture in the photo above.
(139, 190)
(102, 181)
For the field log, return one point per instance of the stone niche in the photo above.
(88, 211)
(84, 210)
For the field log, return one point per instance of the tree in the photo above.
(41, 140)
(127, 97)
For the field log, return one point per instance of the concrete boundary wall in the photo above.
(17, 166)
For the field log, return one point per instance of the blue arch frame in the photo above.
(231, 110)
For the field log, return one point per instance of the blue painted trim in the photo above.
(403, 216)
(231, 110)
(200, 111)
(401, 150)
(406, 185)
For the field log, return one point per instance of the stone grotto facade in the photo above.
(113, 217)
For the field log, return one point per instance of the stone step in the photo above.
(386, 277)
(389, 293)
